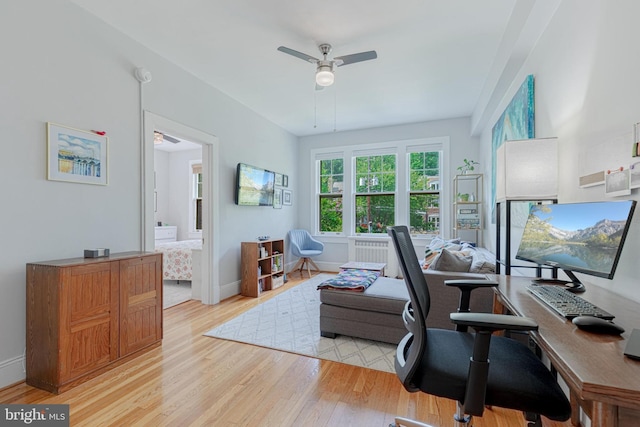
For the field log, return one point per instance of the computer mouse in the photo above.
(597, 325)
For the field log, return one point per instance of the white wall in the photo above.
(462, 146)
(587, 94)
(162, 183)
(174, 195)
(65, 66)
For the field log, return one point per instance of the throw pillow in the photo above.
(429, 257)
(447, 261)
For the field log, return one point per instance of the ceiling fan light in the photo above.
(324, 76)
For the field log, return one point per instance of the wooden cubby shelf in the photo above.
(262, 266)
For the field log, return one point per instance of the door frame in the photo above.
(210, 209)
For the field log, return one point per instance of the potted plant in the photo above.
(467, 166)
(463, 197)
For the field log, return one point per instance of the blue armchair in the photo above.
(304, 246)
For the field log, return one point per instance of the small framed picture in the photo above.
(277, 198)
(76, 156)
(278, 180)
(285, 180)
(286, 197)
(617, 183)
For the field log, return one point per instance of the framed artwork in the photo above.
(277, 198)
(286, 197)
(516, 122)
(285, 180)
(278, 180)
(76, 156)
(634, 172)
(617, 183)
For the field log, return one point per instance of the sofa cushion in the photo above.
(385, 295)
(448, 261)
(483, 261)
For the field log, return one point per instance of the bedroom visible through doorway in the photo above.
(178, 225)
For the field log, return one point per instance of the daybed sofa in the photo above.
(376, 312)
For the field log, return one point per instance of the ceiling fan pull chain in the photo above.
(315, 110)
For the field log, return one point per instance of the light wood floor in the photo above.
(193, 380)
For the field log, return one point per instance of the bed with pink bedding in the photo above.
(177, 258)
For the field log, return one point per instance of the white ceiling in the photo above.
(437, 59)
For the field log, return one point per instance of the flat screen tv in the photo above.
(254, 186)
(577, 237)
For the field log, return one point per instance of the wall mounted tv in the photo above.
(254, 186)
(577, 237)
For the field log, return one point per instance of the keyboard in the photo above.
(567, 304)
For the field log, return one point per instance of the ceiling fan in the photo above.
(325, 67)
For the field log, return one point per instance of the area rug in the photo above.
(291, 322)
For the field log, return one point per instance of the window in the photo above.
(375, 184)
(330, 197)
(363, 189)
(196, 171)
(424, 192)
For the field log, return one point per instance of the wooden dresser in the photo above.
(85, 315)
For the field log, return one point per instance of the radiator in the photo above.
(375, 250)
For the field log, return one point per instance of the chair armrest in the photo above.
(466, 286)
(471, 284)
(316, 245)
(484, 324)
(494, 322)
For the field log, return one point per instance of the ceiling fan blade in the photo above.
(297, 54)
(355, 57)
(171, 139)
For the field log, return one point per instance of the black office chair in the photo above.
(455, 363)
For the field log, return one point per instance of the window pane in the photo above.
(331, 213)
(325, 184)
(198, 214)
(198, 185)
(416, 161)
(374, 213)
(330, 198)
(424, 172)
(424, 213)
(337, 167)
(331, 176)
(389, 182)
(325, 167)
(375, 174)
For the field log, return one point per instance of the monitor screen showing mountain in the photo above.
(579, 237)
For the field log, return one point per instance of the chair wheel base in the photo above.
(533, 420)
(405, 422)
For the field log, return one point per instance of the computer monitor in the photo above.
(576, 237)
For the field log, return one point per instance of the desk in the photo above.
(604, 382)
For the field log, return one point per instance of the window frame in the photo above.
(401, 150)
(374, 175)
(194, 185)
(439, 192)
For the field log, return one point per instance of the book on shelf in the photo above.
(463, 211)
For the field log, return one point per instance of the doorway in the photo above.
(177, 196)
(207, 271)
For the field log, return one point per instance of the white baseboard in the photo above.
(12, 371)
(229, 290)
